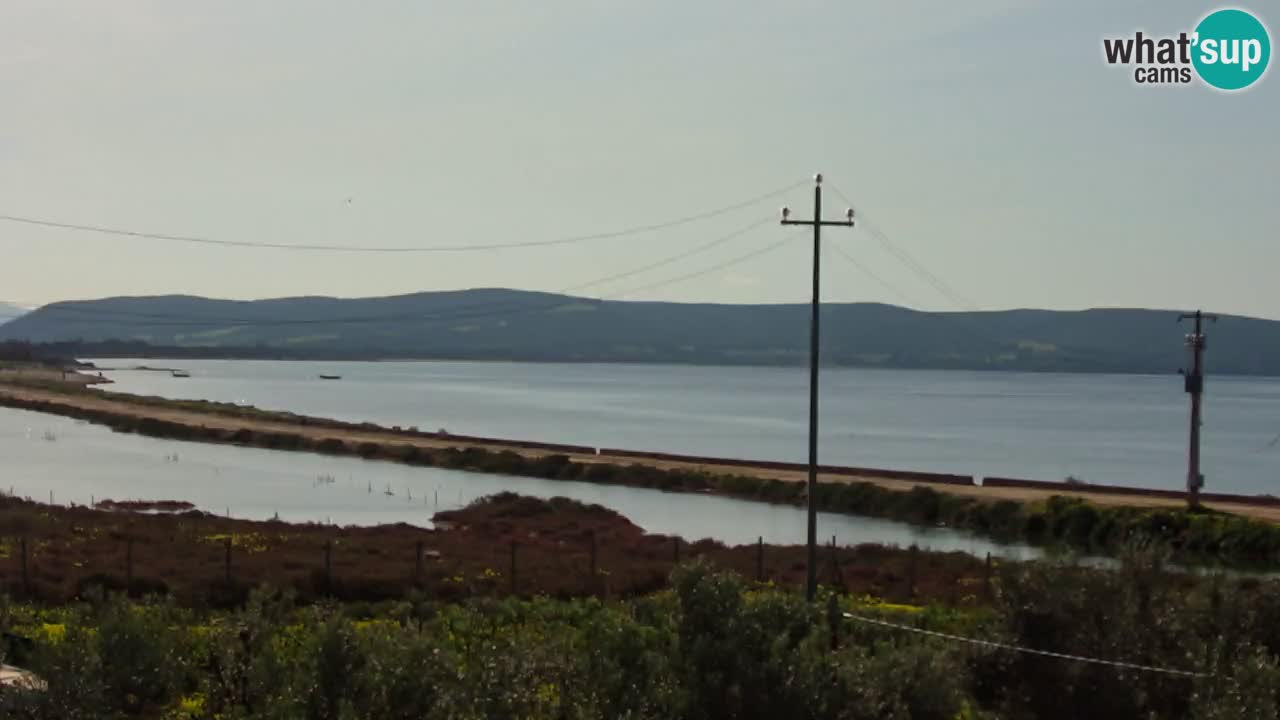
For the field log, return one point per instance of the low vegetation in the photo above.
(712, 647)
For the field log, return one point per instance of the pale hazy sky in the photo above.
(986, 137)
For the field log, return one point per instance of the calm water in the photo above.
(1119, 429)
(80, 462)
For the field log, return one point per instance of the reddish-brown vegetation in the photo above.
(185, 554)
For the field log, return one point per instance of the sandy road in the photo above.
(121, 405)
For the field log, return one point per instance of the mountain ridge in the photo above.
(10, 312)
(498, 323)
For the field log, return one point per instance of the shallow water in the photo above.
(79, 462)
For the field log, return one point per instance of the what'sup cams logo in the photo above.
(1229, 50)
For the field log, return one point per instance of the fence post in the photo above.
(226, 562)
(833, 620)
(760, 559)
(26, 577)
(128, 565)
(328, 567)
(514, 585)
(594, 573)
(836, 580)
(417, 565)
(986, 578)
(911, 574)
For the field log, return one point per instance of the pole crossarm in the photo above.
(823, 223)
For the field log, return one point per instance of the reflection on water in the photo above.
(87, 462)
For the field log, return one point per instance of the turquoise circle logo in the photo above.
(1232, 49)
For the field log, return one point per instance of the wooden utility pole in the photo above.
(811, 584)
(1194, 384)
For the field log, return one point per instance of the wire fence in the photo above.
(196, 557)
(991, 644)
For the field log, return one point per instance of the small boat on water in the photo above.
(330, 377)
(180, 373)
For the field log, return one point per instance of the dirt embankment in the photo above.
(212, 422)
(556, 547)
(44, 374)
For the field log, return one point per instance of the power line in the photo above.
(919, 269)
(200, 240)
(958, 299)
(869, 273)
(476, 310)
(1020, 649)
(911, 262)
(673, 258)
(706, 271)
(970, 324)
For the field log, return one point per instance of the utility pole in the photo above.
(811, 583)
(1194, 384)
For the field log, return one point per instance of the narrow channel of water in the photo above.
(79, 462)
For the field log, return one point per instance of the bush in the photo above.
(712, 648)
(332, 446)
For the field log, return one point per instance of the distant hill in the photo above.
(496, 324)
(9, 312)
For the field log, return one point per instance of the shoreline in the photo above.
(1241, 530)
(320, 358)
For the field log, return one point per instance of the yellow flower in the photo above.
(53, 633)
(548, 694)
(188, 708)
(870, 602)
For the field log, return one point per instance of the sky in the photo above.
(988, 140)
